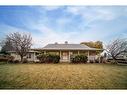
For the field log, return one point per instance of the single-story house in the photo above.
(63, 50)
(31, 55)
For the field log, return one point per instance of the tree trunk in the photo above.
(21, 58)
(114, 58)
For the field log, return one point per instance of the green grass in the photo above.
(63, 76)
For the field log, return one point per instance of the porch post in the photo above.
(60, 54)
(99, 59)
(44, 52)
(34, 56)
(69, 55)
(78, 52)
(88, 57)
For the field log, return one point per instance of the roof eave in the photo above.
(71, 49)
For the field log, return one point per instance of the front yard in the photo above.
(63, 76)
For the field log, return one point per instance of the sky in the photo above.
(75, 24)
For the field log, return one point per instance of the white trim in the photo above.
(88, 57)
(69, 55)
(78, 51)
(60, 54)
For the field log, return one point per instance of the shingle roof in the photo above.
(67, 47)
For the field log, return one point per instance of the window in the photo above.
(29, 55)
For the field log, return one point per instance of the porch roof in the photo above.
(67, 47)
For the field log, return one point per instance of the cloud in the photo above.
(47, 35)
(71, 23)
(6, 29)
(102, 22)
(63, 21)
(51, 8)
(93, 13)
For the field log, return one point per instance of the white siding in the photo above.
(16, 56)
(30, 56)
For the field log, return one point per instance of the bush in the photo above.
(97, 60)
(78, 58)
(56, 59)
(41, 58)
(16, 61)
(91, 61)
(25, 60)
(48, 58)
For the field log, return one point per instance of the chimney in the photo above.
(56, 43)
(66, 42)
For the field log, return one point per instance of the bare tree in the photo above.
(116, 48)
(21, 43)
(6, 45)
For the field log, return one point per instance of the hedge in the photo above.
(48, 58)
(78, 59)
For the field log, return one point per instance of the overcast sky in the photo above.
(74, 24)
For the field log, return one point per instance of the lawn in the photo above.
(63, 76)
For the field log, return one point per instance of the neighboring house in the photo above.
(31, 55)
(121, 56)
(64, 51)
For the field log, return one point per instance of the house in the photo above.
(63, 50)
(31, 55)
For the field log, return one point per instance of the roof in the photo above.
(30, 51)
(68, 47)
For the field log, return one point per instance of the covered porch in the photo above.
(66, 54)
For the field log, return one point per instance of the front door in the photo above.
(65, 55)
